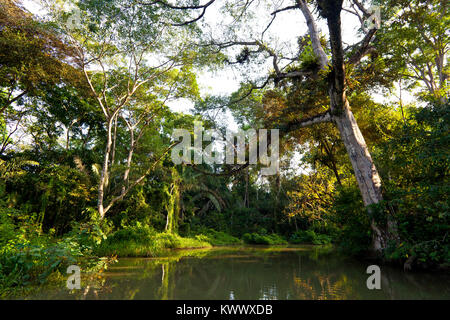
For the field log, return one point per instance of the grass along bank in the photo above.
(143, 241)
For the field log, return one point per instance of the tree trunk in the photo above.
(105, 169)
(246, 198)
(366, 173)
(126, 175)
(173, 205)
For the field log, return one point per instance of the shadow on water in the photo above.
(303, 272)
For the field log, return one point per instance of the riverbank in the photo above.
(152, 246)
(145, 242)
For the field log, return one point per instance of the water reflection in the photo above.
(253, 273)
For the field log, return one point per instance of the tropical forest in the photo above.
(114, 120)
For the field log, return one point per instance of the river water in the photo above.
(304, 272)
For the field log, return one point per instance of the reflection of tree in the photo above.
(163, 291)
(321, 287)
(95, 286)
(166, 291)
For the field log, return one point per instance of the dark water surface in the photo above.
(304, 272)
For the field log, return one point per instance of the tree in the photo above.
(31, 56)
(414, 42)
(334, 74)
(133, 61)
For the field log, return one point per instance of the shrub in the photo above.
(354, 236)
(28, 256)
(216, 238)
(255, 238)
(137, 233)
(143, 241)
(415, 166)
(309, 236)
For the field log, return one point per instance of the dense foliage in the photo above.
(85, 168)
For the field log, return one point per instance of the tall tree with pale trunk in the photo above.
(332, 65)
(134, 61)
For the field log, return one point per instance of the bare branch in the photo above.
(314, 34)
(363, 48)
(302, 123)
(171, 6)
(9, 102)
(362, 9)
(6, 141)
(203, 7)
(222, 174)
(285, 9)
(293, 74)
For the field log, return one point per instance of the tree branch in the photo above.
(139, 180)
(9, 102)
(175, 7)
(363, 48)
(314, 34)
(302, 123)
(285, 9)
(223, 174)
(362, 9)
